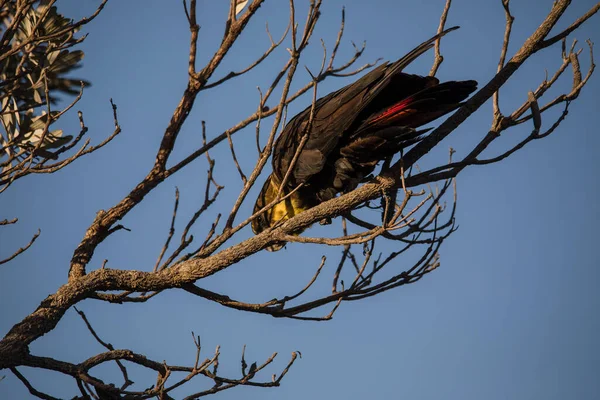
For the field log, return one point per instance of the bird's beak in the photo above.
(275, 247)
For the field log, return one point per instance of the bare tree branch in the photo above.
(22, 249)
(439, 59)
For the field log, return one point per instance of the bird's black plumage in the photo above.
(352, 129)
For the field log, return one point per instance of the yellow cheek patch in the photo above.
(282, 211)
(287, 209)
(278, 213)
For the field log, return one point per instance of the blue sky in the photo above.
(511, 313)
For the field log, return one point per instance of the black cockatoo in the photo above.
(352, 130)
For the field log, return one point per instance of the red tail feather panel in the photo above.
(394, 112)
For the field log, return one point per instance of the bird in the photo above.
(351, 131)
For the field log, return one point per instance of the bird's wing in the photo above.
(333, 115)
(327, 126)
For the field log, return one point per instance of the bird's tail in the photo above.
(388, 131)
(423, 106)
(417, 51)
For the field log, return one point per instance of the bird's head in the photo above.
(277, 214)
